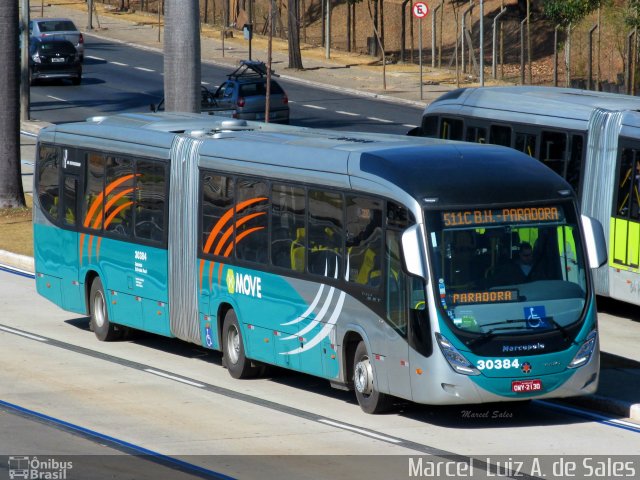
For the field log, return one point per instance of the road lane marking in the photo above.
(173, 377)
(603, 419)
(359, 430)
(121, 64)
(144, 69)
(348, 113)
(313, 106)
(57, 98)
(95, 58)
(16, 271)
(22, 334)
(113, 442)
(376, 119)
(408, 125)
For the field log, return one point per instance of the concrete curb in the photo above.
(21, 262)
(608, 405)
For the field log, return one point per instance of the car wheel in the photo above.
(76, 80)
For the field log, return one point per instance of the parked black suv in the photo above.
(51, 59)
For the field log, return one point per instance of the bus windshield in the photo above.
(508, 270)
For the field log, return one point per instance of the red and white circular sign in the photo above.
(420, 10)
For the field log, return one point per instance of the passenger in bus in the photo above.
(520, 270)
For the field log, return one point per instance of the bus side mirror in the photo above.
(595, 240)
(412, 248)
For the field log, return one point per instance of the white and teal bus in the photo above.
(378, 262)
(592, 139)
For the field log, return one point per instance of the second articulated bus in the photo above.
(592, 139)
(385, 264)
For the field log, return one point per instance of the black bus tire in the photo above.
(368, 396)
(104, 330)
(233, 356)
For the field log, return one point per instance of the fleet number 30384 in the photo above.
(498, 364)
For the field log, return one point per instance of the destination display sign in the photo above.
(502, 216)
(489, 296)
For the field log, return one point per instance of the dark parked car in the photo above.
(54, 59)
(245, 92)
(59, 29)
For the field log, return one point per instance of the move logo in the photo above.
(244, 284)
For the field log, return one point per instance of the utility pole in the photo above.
(25, 80)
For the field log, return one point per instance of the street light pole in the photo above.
(25, 80)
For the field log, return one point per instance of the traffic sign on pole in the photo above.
(420, 10)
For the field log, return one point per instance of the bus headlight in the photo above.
(455, 358)
(584, 353)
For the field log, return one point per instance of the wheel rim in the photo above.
(99, 309)
(363, 376)
(233, 344)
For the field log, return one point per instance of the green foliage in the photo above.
(565, 12)
(632, 16)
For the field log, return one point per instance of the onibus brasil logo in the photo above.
(34, 468)
(244, 284)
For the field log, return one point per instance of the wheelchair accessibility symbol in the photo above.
(536, 317)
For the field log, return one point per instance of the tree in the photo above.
(567, 13)
(11, 192)
(293, 21)
(182, 68)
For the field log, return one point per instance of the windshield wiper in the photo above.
(492, 333)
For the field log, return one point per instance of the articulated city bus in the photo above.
(592, 139)
(385, 264)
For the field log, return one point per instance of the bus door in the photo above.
(625, 224)
(72, 292)
(396, 348)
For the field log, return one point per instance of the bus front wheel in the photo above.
(233, 356)
(99, 323)
(368, 396)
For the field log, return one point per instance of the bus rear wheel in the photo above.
(104, 330)
(233, 356)
(368, 396)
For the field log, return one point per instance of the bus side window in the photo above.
(70, 193)
(629, 185)
(430, 126)
(326, 233)
(526, 142)
(252, 234)
(217, 200)
(575, 161)
(476, 134)
(92, 212)
(554, 152)
(500, 135)
(119, 201)
(150, 201)
(451, 129)
(287, 227)
(49, 180)
(364, 240)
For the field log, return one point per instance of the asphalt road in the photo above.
(174, 400)
(121, 78)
